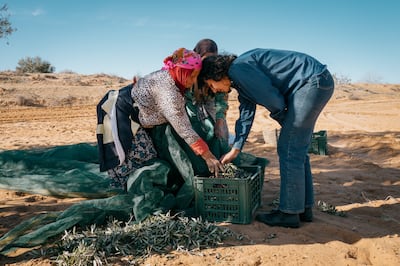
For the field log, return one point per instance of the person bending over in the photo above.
(126, 115)
(295, 88)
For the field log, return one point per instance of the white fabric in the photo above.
(110, 119)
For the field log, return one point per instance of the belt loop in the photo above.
(326, 74)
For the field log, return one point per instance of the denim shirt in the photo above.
(268, 77)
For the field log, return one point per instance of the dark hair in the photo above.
(216, 67)
(205, 46)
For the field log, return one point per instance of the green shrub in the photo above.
(34, 65)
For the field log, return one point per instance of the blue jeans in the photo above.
(304, 107)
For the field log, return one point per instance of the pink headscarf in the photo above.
(183, 58)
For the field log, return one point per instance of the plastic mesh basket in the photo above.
(318, 143)
(232, 200)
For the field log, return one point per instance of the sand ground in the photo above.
(360, 175)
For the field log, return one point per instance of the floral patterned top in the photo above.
(160, 101)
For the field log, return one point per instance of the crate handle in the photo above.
(220, 185)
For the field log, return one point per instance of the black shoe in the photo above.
(278, 218)
(307, 215)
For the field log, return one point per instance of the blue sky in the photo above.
(357, 39)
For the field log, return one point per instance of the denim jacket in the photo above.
(268, 77)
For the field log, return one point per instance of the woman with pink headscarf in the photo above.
(126, 116)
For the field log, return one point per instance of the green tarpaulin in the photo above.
(73, 171)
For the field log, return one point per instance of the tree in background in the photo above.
(341, 79)
(5, 24)
(34, 65)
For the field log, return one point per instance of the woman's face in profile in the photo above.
(224, 85)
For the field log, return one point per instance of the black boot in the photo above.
(278, 218)
(307, 215)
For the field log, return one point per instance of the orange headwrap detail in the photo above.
(181, 65)
(180, 76)
(183, 58)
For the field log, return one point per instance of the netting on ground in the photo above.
(166, 183)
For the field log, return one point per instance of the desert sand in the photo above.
(360, 175)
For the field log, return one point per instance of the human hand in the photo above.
(213, 164)
(221, 129)
(230, 156)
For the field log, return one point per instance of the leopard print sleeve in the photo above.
(171, 104)
(160, 101)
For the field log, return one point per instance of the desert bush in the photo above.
(24, 101)
(67, 71)
(341, 79)
(34, 65)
